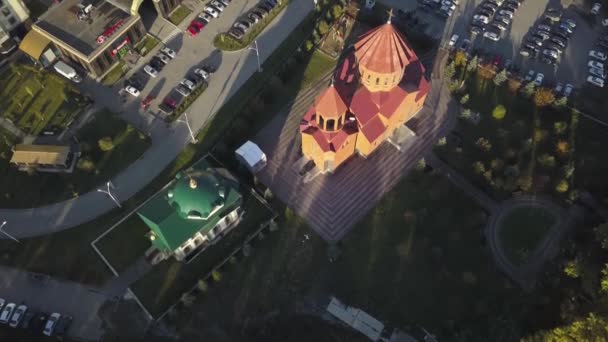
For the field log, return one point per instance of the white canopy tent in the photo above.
(252, 156)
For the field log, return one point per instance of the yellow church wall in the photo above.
(346, 151)
(374, 81)
(311, 149)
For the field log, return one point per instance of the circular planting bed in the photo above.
(522, 229)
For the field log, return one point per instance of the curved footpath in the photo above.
(167, 141)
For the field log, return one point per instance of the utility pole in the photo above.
(187, 122)
(108, 192)
(7, 234)
(257, 54)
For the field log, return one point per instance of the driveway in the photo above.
(167, 141)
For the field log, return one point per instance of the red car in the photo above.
(195, 27)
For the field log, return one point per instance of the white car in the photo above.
(597, 73)
(491, 35)
(218, 5)
(163, 58)
(205, 16)
(598, 55)
(183, 90)
(448, 4)
(596, 8)
(595, 64)
(132, 90)
(558, 88)
(201, 73)
(506, 13)
(596, 81)
(2, 301)
(7, 312)
(530, 76)
(568, 90)
(481, 18)
(168, 52)
(539, 79)
(188, 84)
(453, 40)
(211, 11)
(18, 316)
(150, 71)
(51, 323)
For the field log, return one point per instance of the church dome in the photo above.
(196, 195)
(382, 56)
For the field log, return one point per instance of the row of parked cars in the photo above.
(185, 89)
(20, 316)
(240, 27)
(442, 8)
(211, 11)
(492, 17)
(548, 39)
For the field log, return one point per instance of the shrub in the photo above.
(546, 160)
(106, 144)
(484, 144)
(472, 66)
(86, 165)
(464, 99)
(560, 127)
(466, 113)
(562, 186)
(513, 84)
(478, 167)
(460, 58)
(500, 78)
(216, 275)
(529, 89)
(499, 112)
(309, 45)
(323, 27)
(337, 11)
(543, 97)
(202, 285)
(525, 182)
(562, 147)
(573, 268)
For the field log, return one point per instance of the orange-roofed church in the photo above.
(375, 90)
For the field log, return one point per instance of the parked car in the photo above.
(260, 12)
(188, 84)
(570, 22)
(242, 25)
(553, 46)
(496, 2)
(62, 326)
(27, 319)
(538, 81)
(491, 35)
(477, 29)
(447, 5)
(542, 35)
(164, 59)
(596, 81)
(132, 90)
(38, 322)
(201, 73)
(218, 5)
(568, 90)
(551, 53)
(255, 17)
(558, 88)
(481, 18)
(2, 302)
(7, 312)
(490, 7)
(485, 13)
(544, 28)
(18, 316)
(168, 105)
(530, 76)
(193, 29)
(513, 3)
(49, 327)
(566, 27)
(503, 19)
(236, 33)
(559, 41)
(206, 17)
(595, 9)
(453, 40)
(498, 25)
(561, 33)
(535, 40)
(211, 11)
(150, 71)
(183, 90)
(598, 55)
(525, 52)
(465, 46)
(597, 73)
(595, 64)
(510, 8)
(506, 13)
(168, 52)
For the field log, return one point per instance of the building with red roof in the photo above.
(376, 89)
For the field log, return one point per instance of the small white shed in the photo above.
(252, 156)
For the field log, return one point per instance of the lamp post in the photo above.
(194, 141)
(109, 185)
(257, 53)
(5, 233)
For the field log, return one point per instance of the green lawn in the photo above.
(35, 100)
(20, 189)
(146, 45)
(522, 230)
(417, 259)
(179, 14)
(165, 284)
(520, 152)
(115, 74)
(319, 65)
(115, 248)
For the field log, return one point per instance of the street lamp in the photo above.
(257, 54)
(5, 233)
(194, 141)
(109, 193)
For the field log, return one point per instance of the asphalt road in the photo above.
(235, 68)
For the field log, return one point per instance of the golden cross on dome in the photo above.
(390, 16)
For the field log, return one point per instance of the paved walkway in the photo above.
(167, 141)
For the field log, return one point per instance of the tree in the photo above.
(561, 102)
(450, 71)
(562, 147)
(323, 27)
(568, 170)
(525, 182)
(336, 11)
(546, 160)
(500, 78)
(562, 186)
(202, 285)
(309, 45)
(486, 72)
(601, 234)
(216, 275)
(464, 99)
(593, 328)
(484, 144)
(543, 97)
(472, 66)
(478, 167)
(560, 127)
(513, 84)
(466, 113)
(85, 164)
(106, 144)
(187, 299)
(604, 279)
(573, 268)
(460, 58)
(528, 89)
(499, 112)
